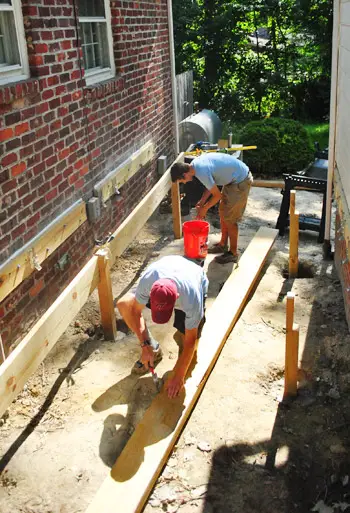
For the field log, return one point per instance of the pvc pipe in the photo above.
(173, 74)
(333, 122)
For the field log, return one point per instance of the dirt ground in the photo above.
(241, 450)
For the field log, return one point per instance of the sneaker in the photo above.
(140, 369)
(227, 258)
(217, 248)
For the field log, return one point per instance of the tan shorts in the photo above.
(234, 200)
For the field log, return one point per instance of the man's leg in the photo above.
(224, 232)
(233, 235)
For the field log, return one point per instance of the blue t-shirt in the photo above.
(219, 169)
(191, 282)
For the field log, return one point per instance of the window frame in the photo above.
(97, 75)
(16, 72)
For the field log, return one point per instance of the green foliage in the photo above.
(318, 132)
(240, 73)
(283, 146)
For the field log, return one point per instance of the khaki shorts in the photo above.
(234, 200)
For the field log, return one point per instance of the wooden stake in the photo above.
(293, 237)
(105, 294)
(176, 208)
(292, 350)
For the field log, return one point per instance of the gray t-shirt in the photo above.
(219, 169)
(191, 282)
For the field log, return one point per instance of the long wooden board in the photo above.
(130, 481)
(131, 226)
(31, 351)
(21, 264)
(116, 178)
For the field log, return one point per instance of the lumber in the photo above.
(292, 350)
(131, 226)
(31, 351)
(28, 259)
(293, 238)
(111, 183)
(105, 294)
(277, 184)
(176, 210)
(132, 477)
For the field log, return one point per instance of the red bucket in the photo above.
(196, 238)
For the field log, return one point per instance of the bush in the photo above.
(283, 146)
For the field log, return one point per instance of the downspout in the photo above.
(333, 127)
(173, 75)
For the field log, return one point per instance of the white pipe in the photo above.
(173, 74)
(332, 119)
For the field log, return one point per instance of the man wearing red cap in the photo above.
(171, 283)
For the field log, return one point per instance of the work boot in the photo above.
(217, 248)
(227, 258)
(179, 339)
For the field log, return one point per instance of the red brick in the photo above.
(84, 170)
(41, 48)
(38, 287)
(33, 220)
(18, 231)
(18, 169)
(22, 128)
(9, 159)
(51, 195)
(6, 134)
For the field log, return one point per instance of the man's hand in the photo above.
(173, 386)
(201, 212)
(147, 356)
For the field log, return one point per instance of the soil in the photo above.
(242, 450)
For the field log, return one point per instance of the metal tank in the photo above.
(202, 126)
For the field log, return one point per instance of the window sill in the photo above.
(103, 89)
(13, 91)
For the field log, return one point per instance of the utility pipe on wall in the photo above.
(173, 74)
(332, 125)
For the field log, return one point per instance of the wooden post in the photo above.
(293, 237)
(176, 208)
(292, 350)
(105, 294)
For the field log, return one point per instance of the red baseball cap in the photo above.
(162, 297)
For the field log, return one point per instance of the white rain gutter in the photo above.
(173, 74)
(333, 125)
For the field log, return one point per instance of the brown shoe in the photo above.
(217, 248)
(227, 258)
(140, 369)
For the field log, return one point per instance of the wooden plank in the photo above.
(292, 350)
(31, 351)
(131, 479)
(278, 184)
(108, 186)
(131, 226)
(105, 294)
(22, 263)
(176, 210)
(293, 237)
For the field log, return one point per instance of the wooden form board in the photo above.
(131, 479)
(31, 351)
(21, 264)
(278, 184)
(129, 228)
(116, 178)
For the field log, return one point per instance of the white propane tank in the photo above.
(203, 126)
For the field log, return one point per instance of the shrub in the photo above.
(283, 146)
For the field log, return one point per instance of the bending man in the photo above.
(173, 282)
(213, 170)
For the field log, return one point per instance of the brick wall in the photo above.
(58, 137)
(342, 264)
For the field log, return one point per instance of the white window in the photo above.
(13, 48)
(96, 40)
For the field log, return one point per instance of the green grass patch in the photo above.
(319, 132)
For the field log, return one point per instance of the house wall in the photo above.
(59, 137)
(341, 127)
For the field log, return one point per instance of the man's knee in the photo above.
(125, 303)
